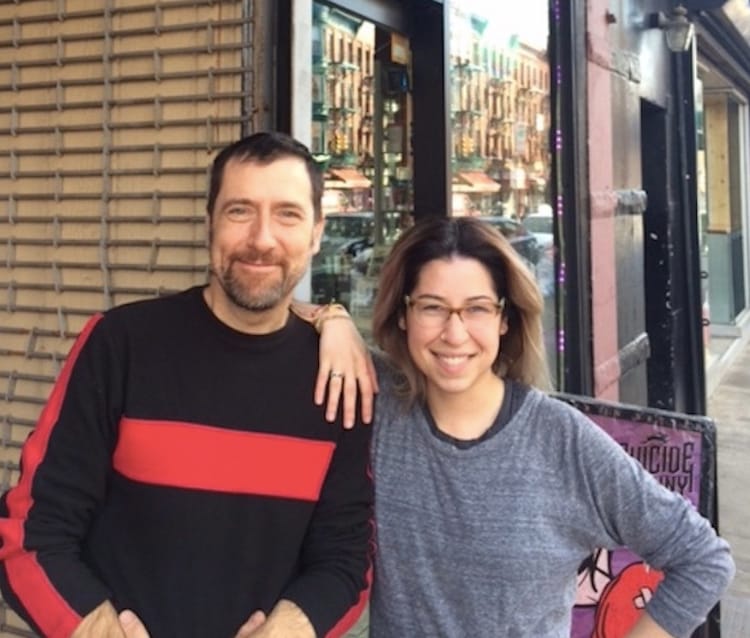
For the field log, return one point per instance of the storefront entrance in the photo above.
(722, 172)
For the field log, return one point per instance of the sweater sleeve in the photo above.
(632, 509)
(64, 467)
(334, 584)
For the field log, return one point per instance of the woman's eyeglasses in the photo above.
(433, 314)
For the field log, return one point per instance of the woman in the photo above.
(489, 493)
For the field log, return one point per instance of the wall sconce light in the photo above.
(678, 30)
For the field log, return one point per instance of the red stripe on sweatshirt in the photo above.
(193, 456)
(355, 611)
(348, 620)
(26, 577)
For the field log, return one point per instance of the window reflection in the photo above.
(501, 118)
(360, 135)
(500, 130)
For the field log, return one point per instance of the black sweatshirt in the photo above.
(180, 469)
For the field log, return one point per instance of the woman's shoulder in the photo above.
(545, 404)
(382, 361)
(392, 399)
(547, 410)
(389, 376)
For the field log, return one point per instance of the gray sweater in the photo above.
(486, 540)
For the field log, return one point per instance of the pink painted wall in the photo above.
(603, 202)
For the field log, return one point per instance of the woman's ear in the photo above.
(503, 325)
(402, 322)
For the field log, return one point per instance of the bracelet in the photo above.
(324, 313)
(319, 323)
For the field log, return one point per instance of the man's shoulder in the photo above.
(149, 318)
(153, 307)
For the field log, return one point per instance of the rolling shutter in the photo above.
(110, 113)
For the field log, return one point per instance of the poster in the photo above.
(680, 451)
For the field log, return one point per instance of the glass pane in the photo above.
(725, 180)
(703, 210)
(360, 121)
(500, 108)
(737, 117)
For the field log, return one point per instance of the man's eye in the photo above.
(290, 214)
(237, 211)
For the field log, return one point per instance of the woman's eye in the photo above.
(478, 310)
(433, 308)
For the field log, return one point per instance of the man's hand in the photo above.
(255, 621)
(101, 623)
(286, 620)
(132, 625)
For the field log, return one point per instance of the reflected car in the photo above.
(347, 243)
(522, 239)
(345, 237)
(347, 232)
(540, 223)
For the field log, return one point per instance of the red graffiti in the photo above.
(623, 600)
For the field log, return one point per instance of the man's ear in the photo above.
(317, 235)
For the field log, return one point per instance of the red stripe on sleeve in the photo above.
(352, 616)
(26, 577)
(193, 456)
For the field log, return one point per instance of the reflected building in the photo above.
(344, 85)
(500, 120)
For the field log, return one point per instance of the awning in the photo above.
(738, 13)
(346, 178)
(474, 182)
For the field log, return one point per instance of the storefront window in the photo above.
(360, 135)
(722, 160)
(500, 130)
(500, 115)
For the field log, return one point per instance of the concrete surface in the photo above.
(729, 406)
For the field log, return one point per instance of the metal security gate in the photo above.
(110, 113)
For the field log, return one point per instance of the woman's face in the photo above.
(455, 353)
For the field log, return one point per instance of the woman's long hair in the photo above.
(522, 354)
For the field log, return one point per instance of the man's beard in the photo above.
(264, 296)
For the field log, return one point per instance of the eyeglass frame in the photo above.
(499, 308)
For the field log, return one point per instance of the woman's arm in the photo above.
(632, 509)
(647, 627)
(345, 363)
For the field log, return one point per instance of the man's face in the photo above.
(262, 237)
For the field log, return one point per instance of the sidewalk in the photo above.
(729, 406)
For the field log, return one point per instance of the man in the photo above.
(180, 473)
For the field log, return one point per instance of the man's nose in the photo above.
(260, 234)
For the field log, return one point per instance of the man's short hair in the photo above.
(264, 148)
